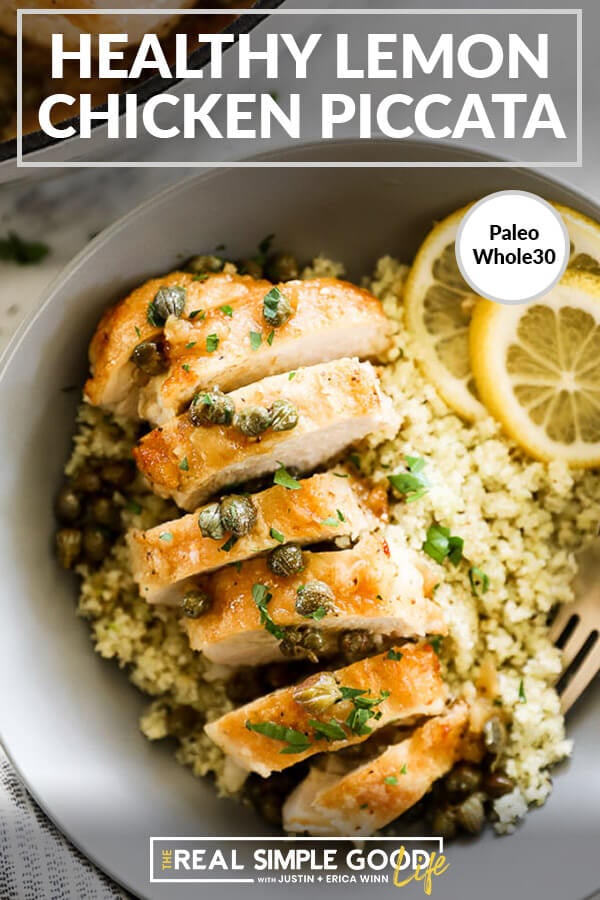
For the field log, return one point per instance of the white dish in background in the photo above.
(69, 719)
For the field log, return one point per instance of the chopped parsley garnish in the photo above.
(436, 643)
(227, 310)
(341, 474)
(412, 484)
(283, 478)
(330, 731)
(391, 779)
(138, 332)
(184, 464)
(355, 460)
(317, 614)
(522, 695)
(395, 655)
(165, 536)
(270, 338)
(291, 376)
(441, 545)
(24, 253)
(264, 248)
(364, 709)
(134, 507)
(190, 345)
(296, 741)
(404, 769)
(202, 277)
(212, 342)
(331, 522)
(480, 582)
(277, 535)
(198, 312)
(262, 597)
(255, 339)
(230, 544)
(186, 367)
(340, 515)
(271, 306)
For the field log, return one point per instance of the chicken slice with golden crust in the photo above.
(314, 417)
(166, 556)
(368, 591)
(235, 345)
(278, 730)
(115, 381)
(375, 793)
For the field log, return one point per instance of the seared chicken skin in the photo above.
(165, 557)
(371, 796)
(370, 591)
(278, 730)
(222, 338)
(328, 407)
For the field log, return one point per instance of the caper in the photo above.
(168, 301)
(212, 408)
(494, 735)
(276, 308)
(209, 522)
(318, 693)
(253, 420)
(103, 512)
(87, 481)
(67, 505)
(68, 546)
(195, 604)
(354, 644)
(312, 643)
(149, 358)
(496, 784)
(290, 646)
(443, 823)
(462, 780)
(238, 515)
(285, 561)
(250, 267)
(283, 267)
(312, 596)
(118, 473)
(96, 544)
(470, 815)
(205, 263)
(284, 415)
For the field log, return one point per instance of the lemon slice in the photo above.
(439, 304)
(537, 369)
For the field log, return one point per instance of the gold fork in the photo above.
(576, 629)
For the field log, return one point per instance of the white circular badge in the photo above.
(512, 247)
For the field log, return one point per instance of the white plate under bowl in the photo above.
(69, 719)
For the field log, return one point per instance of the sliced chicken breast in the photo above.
(370, 592)
(115, 381)
(329, 319)
(165, 557)
(278, 730)
(371, 796)
(336, 404)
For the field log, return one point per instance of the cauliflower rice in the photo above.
(520, 521)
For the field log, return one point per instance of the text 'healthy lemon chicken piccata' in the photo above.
(179, 334)
(301, 421)
(274, 732)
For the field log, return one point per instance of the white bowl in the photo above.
(69, 719)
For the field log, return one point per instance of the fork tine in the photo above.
(563, 617)
(574, 644)
(581, 678)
